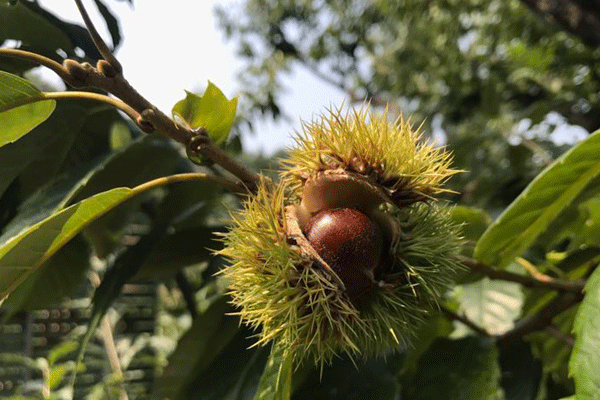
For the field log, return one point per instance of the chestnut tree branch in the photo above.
(570, 293)
(107, 77)
(448, 313)
(553, 331)
(541, 319)
(97, 39)
(544, 281)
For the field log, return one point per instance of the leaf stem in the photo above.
(543, 281)
(235, 187)
(44, 96)
(38, 59)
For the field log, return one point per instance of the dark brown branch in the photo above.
(541, 319)
(107, 76)
(528, 281)
(151, 119)
(557, 334)
(464, 320)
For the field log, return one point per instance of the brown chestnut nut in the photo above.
(350, 243)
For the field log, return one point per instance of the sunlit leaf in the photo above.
(17, 121)
(491, 304)
(24, 253)
(549, 194)
(585, 358)
(54, 281)
(57, 375)
(61, 351)
(211, 111)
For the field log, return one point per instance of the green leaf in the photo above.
(585, 358)
(345, 379)
(276, 380)
(491, 304)
(457, 369)
(521, 372)
(40, 31)
(209, 334)
(18, 22)
(105, 233)
(554, 352)
(234, 374)
(55, 280)
(22, 254)
(474, 221)
(129, 166)
(57, 375)
(431, 329)
(15, 120)
(37, 156)
(535, 57)
(180, 249)
(61, 351)
(547, 196)
(211, 111)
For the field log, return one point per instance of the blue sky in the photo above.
(175, 45)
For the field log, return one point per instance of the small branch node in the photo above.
(106, 69)
(97, 39)
(145, 125)
(78, 71)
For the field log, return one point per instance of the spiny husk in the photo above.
(393, 155)
(294, 299)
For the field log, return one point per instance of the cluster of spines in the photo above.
(392, 154)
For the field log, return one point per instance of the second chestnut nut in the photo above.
(350, 242)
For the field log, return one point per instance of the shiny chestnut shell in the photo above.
(350, 242)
